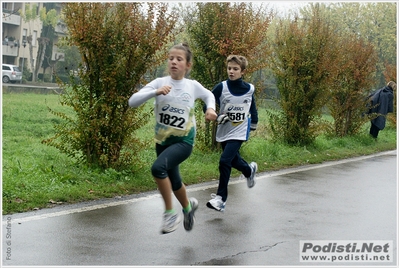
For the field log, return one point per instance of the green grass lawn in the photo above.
(37, 176)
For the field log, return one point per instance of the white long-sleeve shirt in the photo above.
(174, 112)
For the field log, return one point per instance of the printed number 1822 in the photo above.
(173, 121)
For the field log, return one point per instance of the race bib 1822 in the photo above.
(173, 115)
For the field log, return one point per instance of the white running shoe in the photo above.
(216, 203)
(189, 216)
(251, 178)
(170, 222)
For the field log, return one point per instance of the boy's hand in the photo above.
(222, 119)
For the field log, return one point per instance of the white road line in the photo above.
(9, 219)
(74, 210)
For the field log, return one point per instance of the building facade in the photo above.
(20, 38)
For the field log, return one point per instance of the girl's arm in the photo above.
(209, 99)
(146, 93)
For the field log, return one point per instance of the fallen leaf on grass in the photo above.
(51, 201)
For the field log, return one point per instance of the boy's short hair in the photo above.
(240, 60)
(392, 85)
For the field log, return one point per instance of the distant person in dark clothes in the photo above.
(381, 103)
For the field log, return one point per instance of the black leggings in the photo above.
(168, 160)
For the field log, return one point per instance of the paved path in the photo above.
(348, 200)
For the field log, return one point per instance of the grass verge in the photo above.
(36, 176)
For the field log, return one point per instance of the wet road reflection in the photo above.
(262, 226)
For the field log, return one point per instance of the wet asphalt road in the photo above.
(347, 200)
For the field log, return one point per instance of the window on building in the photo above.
(34, 38)
(24, 34)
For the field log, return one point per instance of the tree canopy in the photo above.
(119, 43)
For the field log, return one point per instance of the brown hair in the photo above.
(240, 60)
(392, 85)
(185, 48)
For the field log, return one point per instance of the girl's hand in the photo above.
(163, 90)
(210, 114)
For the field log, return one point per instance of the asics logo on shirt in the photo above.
(172, 109)
(235, 108)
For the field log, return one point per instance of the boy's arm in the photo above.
(254, 114)
(217, 92)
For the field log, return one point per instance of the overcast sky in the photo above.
(284, 7)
